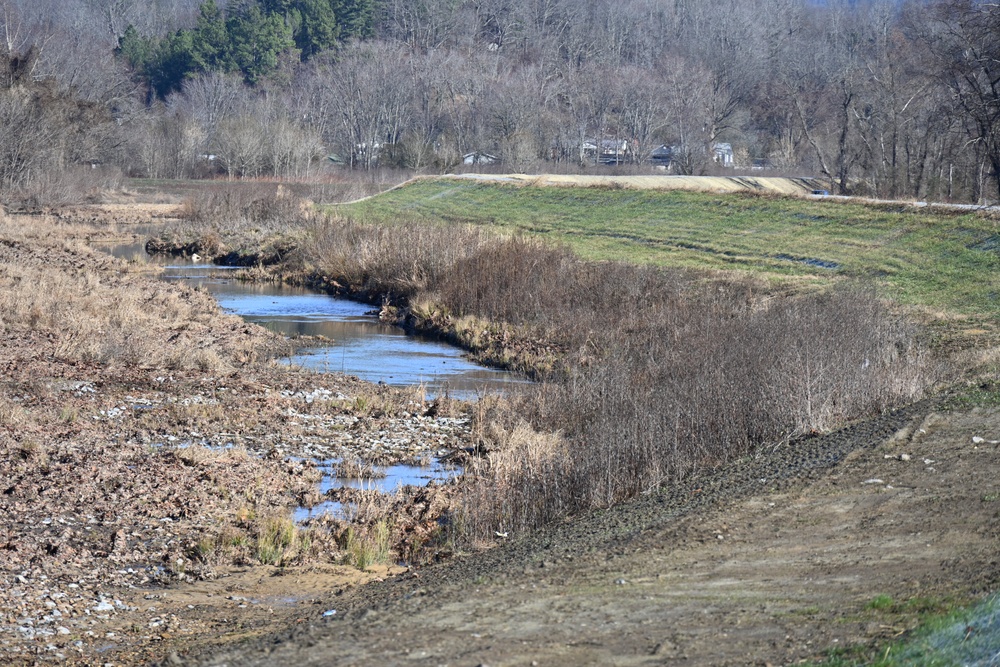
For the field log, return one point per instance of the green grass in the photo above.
(881, 602)
(921, 257)
(985, 395)
(946, 636)
(366, 547)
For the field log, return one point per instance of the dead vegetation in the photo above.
(650, 374)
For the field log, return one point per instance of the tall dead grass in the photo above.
(100, 317)
(398, 262)
(664, 371)
(252, 222)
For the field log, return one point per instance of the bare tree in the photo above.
(642, 110)
(211, 98)
(368, 98)
(965, 41)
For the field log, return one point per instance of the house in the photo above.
(723, 154)
(478, 157)
(605, 151)
(613, 151)
(669, 156)
(662, 156)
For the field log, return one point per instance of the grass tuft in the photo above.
(368, 546)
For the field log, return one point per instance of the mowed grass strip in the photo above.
(922, 257)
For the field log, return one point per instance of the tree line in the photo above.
(892, 98)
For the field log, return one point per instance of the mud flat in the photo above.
(151, 456)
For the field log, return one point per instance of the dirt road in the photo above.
(828, 542)
(771, 184)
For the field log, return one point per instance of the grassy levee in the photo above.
(923, 257)
(652, 372)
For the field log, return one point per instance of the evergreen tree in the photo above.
(356, 17)
(256, 39)
(172, 63)
(317, 28)
(138, 51)
(249, 39)
(211, 46)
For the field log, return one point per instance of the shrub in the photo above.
(367, 546)
(697, 384)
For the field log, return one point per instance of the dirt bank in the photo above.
(151, 454)
(828, 543)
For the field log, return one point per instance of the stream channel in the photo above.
(359, 344)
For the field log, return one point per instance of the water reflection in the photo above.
(395, 477)
(362, 346)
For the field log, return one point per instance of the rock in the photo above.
(905, 457)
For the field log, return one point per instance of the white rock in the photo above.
(904, 457)
(977, 440)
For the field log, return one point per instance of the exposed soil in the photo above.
(146, 442)
(772, 562)
(113, 473)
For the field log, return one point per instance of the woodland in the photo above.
(884, 98)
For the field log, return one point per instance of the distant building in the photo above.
(662, 156)
(723, 154)
(670, 156)
(605, 151)
(477, 157)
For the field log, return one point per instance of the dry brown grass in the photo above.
(398, 262)
(355, 468)
(670, 392)
(516, 486)
(653, 373)
(99, 318)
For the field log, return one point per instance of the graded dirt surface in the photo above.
(771, 184)
(772, 562)
(118, 484)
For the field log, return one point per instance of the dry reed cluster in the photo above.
(96, 318)
(662, 371)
